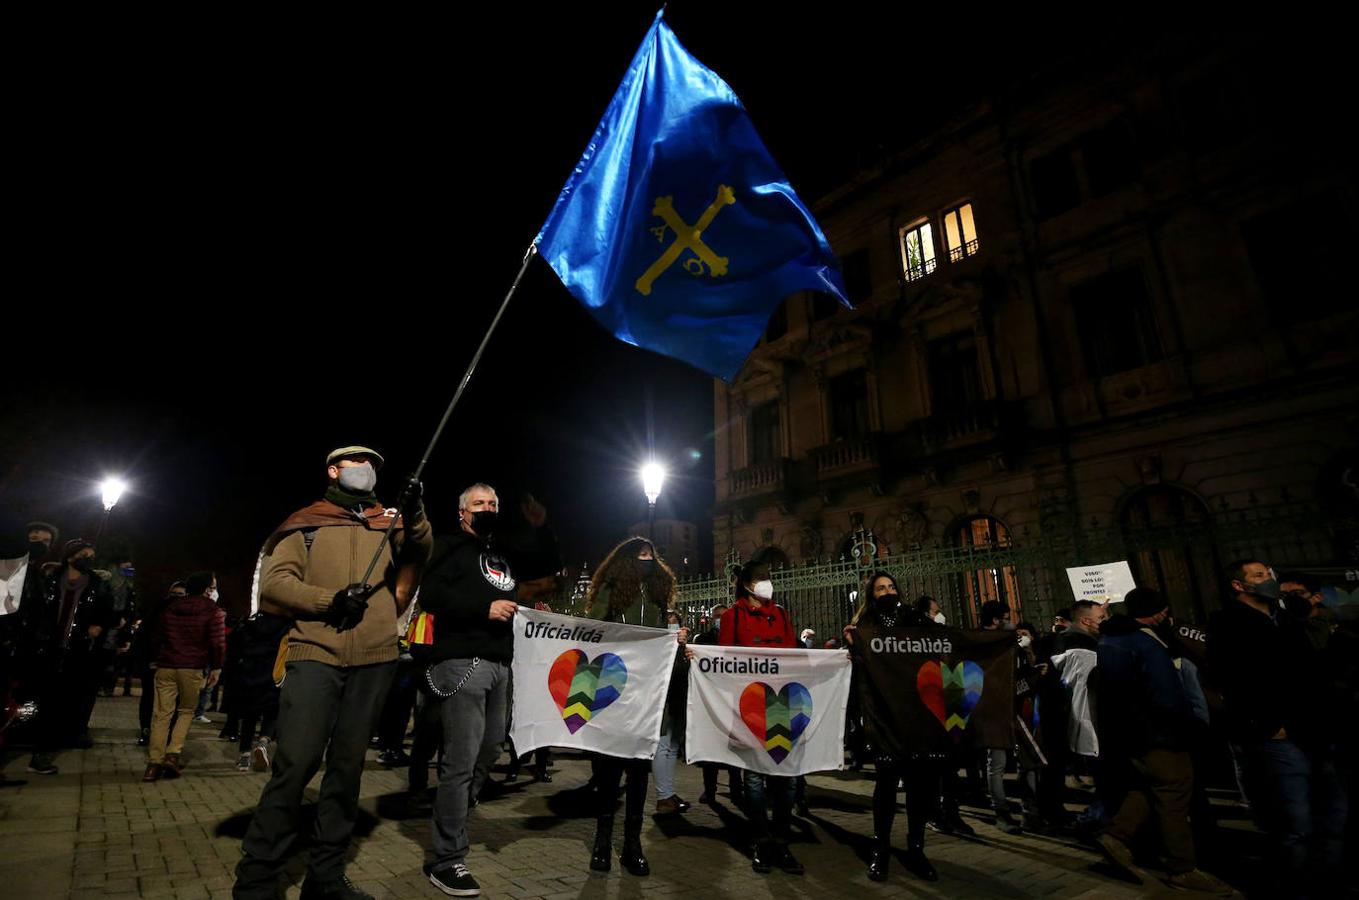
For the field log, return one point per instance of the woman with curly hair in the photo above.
(881, 605)
(632, 586)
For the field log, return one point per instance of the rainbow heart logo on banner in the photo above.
(776, 718)
(950, 692)
(582, 687)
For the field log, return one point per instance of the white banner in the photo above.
(589, 684)
(12, 572)
(781, 712)
(1101, 584)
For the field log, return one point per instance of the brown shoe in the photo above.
(171, 766)
(152, 772)
(1200, 882)
(667, 807)
(1120, 856)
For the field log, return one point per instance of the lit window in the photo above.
(961, 233)
(917, 250)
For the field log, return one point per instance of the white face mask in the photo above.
(672, 627)
(939, 617)
(212, 595)
(763, 589)
(1025, 640)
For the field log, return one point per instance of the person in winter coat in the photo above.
(633, 586)
(755, 620)
(191, 638)
(881, 605)
(1146, 717)
(340, 660)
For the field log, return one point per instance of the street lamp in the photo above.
(112, 490)
(653, 476)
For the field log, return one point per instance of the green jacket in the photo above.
(641, 612)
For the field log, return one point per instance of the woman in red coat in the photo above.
(755, 620)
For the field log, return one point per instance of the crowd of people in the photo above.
(330, 665)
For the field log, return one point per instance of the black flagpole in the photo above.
(462, 386)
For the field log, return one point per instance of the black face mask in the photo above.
(1296, 605)
(84, 564)
(647, 566)
(37, 548)
(484, 522)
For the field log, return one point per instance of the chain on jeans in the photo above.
(467, 676)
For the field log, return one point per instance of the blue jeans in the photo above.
(1298, 800)
(780, 790)
(663, 766)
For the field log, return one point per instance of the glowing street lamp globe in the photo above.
(653, 476)
(112, 490)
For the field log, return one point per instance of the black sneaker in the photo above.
(393, 759)
(455, 881)
(41, 764)
(1006, 822)
(785, 860)
(343, 889)
(762, 859)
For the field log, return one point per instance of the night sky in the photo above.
(235, 257)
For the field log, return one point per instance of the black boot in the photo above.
(878, 861)
(916, 863)
(601, 858)
(631, 856)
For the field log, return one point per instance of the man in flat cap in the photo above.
(341, 656)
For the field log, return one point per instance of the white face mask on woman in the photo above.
(1025, 641)
(763, 589)
(939, 617)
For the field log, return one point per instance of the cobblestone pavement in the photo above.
(95, 830)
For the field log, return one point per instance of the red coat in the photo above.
(769, 626)
(191, 634)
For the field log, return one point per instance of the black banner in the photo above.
(936, 689)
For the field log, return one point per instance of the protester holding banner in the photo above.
(709, 631)
(470, 588)
(755, 620)
(632, 586)
(668, 802)
(880, 605)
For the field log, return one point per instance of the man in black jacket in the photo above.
(19, 663)
(1281, 726)
(62, 628)
(470, 589)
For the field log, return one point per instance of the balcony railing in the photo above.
(760, 478)
(843, 456)
(938, 431)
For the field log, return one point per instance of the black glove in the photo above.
(409, 501)
(348, 606)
